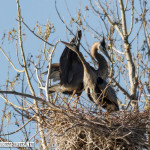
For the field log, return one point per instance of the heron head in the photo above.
(103, 48)
(76, 40)
(70, 46)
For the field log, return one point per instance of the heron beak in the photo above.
(69, 45)
(65, 43)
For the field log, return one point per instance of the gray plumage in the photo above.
(55, 72)
(97, 89)
(69, 71)
(102, 70)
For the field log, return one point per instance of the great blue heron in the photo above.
(102, 70)
(69, 71)
(97, 89)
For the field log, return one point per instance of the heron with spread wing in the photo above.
(97, 89)
(69, 71)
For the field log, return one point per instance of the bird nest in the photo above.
(68, 128)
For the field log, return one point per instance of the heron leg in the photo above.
(74, 92)
(76, 102)
(78, 96)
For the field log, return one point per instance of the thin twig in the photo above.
(35, 33)
(11, 62)
(17, 129)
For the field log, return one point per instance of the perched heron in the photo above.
(102, 70)
(97, 89)
(69, 71)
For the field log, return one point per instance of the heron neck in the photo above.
(83, 61)
(102, 63)
(102, 66)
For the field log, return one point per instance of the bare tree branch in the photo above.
(44, 144)
(35, 33)
(11, 62)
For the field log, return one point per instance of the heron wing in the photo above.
(66, 60)
(55, 72)
(107, 90)
(64, 89)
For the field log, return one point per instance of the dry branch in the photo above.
(122, 130)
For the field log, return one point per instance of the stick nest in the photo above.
(71, 129)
